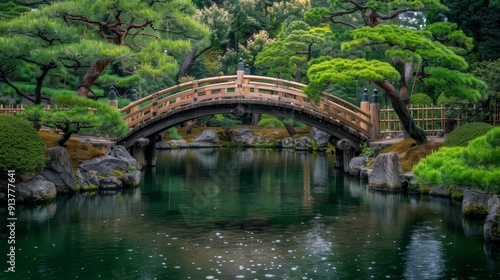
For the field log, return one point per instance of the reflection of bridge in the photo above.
(241, 94)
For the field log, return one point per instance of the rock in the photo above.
(207, 136)
(105, 165)
(365, 173)
(386, 173)
(87, 180)
(355, 165)
(303, 144)
(110, 183)
(320, 137)
(172, 144)
(131, 179)
(244, 135)
(438, 191)
(475, 203)
(253, 223)
(36, 190)
(491, 226)
(287, 142)
(121, 152)
(58, 170)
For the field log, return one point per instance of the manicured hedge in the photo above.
(477, 165)
(461, 136)
(21, 149)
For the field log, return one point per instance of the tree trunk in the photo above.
(92, 75)
(65, 137)
(290, 129)
(187, 63)
(409, 126)
(189, 125)
(255, 119)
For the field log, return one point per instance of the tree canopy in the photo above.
(431, 55)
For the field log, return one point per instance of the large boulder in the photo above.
(87, 180)
(287, 142)
(104, 165)
(121, 152)
(320, 137)
(303, 144)
(207, 136)
(386, 174)
(131, 179)
(244, 135)
(36, 190)
(355, 165)
(475, 203)
(58, 170)
(110, 183)
(491, 225)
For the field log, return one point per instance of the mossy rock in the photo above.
(461, 136)
(475, 211)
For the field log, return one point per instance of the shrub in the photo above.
(21, 149)
(173, 133)
(461, 136)
(421, 99)
(477, 165)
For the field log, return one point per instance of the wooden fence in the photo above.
(433, 120)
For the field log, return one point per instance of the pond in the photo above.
(247, 214)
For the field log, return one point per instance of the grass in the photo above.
(78, 151)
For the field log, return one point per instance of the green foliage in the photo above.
(21, 149)
(421, 99)
(275, 122)
(476, 165)
(224, 121)
(173, 133)
(270, 121)
(79, 115)
(465, 133)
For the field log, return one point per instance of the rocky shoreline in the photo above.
(116, 170)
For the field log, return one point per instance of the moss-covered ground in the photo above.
(78, 151)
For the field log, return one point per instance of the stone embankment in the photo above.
(386, 175)
(116, 170)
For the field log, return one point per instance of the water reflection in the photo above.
(219, 214)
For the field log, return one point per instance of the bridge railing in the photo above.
(246, 87)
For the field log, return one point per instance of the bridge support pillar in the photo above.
(343, 154)
(144, 151)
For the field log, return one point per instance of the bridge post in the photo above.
(375, 113)
(150, 150)
(343, 154)
(365, 106)
(240, 72)
(144, 151)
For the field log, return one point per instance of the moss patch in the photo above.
(78, 151)
(475, 211)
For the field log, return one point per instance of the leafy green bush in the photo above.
(421, 99)
(270, 121)
(461, 136)
(477, 165)
(173, 133)
(21, 149)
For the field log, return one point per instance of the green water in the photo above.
(186, 222)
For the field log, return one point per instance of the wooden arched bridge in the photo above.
(240, 94)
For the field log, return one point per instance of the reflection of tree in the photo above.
(307, 199)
